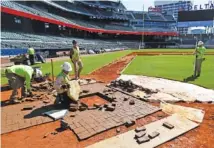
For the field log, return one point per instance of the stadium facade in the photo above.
(196, 22)
(173, 6)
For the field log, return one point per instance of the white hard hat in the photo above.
(200, 43)
(66, 66)
(38, 73)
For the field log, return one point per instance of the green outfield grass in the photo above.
(94, 62)
(90, 63)
(172, 67)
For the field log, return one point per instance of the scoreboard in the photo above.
(199, 15)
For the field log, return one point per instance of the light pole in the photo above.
(142, 43)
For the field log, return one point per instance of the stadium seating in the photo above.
(93, 12)
(169, 18)
(156, 16)
(117, 27)
(141, 16)
(17, 40)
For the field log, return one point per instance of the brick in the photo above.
(126, 99)
(91, 108)
(97, 105)
(84, 135)
(82, 108)
(72, 109)
(110, 108)
(46, 135)
(129, 122)
(118, 130)
(168, 125)
(140, 134)
(130, 90)
(143, 139)
(131, 102)
(28, 107)
(113, 104)
(153, 135)
(54, 133)
(139, 129)
(72, 114)
(79, 130)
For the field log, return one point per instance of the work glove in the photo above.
(68, 86)
(64, 86)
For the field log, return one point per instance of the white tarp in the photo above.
(182, 91)
(56, 114)
(193, 114)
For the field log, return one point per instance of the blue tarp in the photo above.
(7, 52)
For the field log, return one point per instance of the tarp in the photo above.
(193, 114)
(56, 114)
(179, 90)
(74, 90)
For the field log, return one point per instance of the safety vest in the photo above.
(61, 79)
(31, 51)
(200, 52)
(76, 54)
(23, 71)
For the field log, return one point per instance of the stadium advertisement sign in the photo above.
(209, 5)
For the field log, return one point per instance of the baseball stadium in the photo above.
(96, 74)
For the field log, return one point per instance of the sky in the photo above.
(137, 5)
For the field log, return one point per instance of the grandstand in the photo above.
(52, 25)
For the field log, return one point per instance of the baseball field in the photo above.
(170, 64)
(175, 67)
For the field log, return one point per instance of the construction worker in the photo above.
(31, 53)
(75, 58)
(199, 52)
(62, 84)
(19, 76)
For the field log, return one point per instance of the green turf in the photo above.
(172, 67)
(94, 62)
(90, 63)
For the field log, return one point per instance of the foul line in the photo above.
(128, 65)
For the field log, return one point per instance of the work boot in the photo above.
(14, 101)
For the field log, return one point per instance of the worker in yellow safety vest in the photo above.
(199, 52)
(19, 76)
(31, 53)
(62, 85)
(75, 58)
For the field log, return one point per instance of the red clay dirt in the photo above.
(34, 137)
(90, 101)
